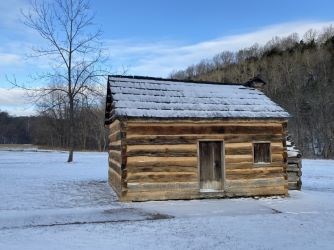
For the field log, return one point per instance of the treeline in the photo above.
(49, 129)
(14, 130)
(300, 77)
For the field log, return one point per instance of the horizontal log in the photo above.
(276, 149)
(242, 148)
(142, 161)
(163, 148)
(238, 145)
(181, 186)
(114, 126)
(238, 159)
(135, 139)
(239, 165)
(239, 151)
(242, 165)
(277, 157)
(256, 191)
(250, 170)
(115, 143)
(166, 168)
(187, 150)
(295, 185)
(293, 177)
(294, 170)
(277, 144)
(164, 154)
(116, 166)
(195, 194)
(253, 183)
(144, 129)
(160, 195)
(162, 177)
(116, 136)
(115, 155)
(115, 147)
(254, 173)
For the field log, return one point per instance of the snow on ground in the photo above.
(49, 204)
(43, 180)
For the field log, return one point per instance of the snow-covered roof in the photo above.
(164, 98)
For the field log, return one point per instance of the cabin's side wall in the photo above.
(162, 158)
(117, 159)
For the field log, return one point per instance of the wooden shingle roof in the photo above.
(146, 97)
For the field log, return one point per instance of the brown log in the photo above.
(162, 177)
(166, 168)
(115, 143)
(149, 129)
(116, 136)
(181, 186)
(253, 183)
(164, 154)
(239, 151)
(116, 166)
(116, 147)
(187, 150)
(253, 173)
(277, 157)
(161, 195)
(266, 169)
(114, 126)
(135, 139)
(238, 145)
(116, 156)
(239, 159)
(252, 165)
(256, 191)
(142, 161)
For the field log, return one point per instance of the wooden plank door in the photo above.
(211, 165)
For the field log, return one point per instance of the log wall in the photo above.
(157, 160)
(294, 172)
(117, 157)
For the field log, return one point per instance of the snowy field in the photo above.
(49, 204)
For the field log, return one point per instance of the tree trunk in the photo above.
(71, 130)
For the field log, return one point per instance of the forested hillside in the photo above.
(300, 77)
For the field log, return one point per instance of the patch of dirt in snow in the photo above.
(65, 217)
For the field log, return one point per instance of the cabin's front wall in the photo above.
(157, 160)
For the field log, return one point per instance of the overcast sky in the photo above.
(150, 37)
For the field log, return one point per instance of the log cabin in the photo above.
(173, 139)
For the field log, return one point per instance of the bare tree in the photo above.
(73, 45)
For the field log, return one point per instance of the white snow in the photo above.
(49, 204)
(161, 98)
